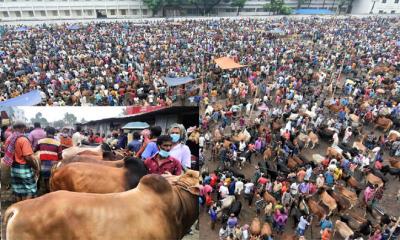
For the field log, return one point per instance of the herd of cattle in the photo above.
(92, 188)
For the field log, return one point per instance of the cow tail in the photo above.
(9, 216)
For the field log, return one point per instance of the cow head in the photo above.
(190, 182)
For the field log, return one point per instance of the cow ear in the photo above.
(195, 190)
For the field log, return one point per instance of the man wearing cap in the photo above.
(19, 155)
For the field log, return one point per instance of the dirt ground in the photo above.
(389, 202)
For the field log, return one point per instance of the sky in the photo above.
(88, 113)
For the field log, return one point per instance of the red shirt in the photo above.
(171, 165)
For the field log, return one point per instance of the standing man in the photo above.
(135, 144)
(77, 137)
(50, 151)
(36, 134)
(180, 151)
(19, 155)
(162, 162)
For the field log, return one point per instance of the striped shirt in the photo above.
(49, 149)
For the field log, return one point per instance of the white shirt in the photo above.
(239, 187)
(77, 139)
(201, 141)
(224, 191)
(303, 223)
(182, 153)
(248, 187)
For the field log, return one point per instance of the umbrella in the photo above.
(136, 125)
(349, 81)
(278, 31)
(21, 29)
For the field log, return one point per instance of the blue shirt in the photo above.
(150, 150)
(329, 178)
(325, 224)
(134, 146)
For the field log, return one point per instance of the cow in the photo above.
(102, 151)
(157, 209)
(393, 136)
(269, 198)
(395, 163)
(235, 208)
(266, 231)
(384, 123)
(313, 138)
(96, 178)
(334, 152)
(327, 200)
(255, 227)
(91, 159)
(342, 202)
(351, 196)
(344, 230)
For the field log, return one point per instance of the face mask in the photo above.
(175, 137)
(163, 153)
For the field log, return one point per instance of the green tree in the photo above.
(40, 119)
(59, 124)
(154, 5)
(239, 4)
(278, 7)
(70, 119)
(205, 5)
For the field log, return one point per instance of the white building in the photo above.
(11, 10)
(377, 6)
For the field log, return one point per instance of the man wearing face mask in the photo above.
(180, 151)
(162, 162)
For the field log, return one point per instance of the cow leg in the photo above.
(313, 146)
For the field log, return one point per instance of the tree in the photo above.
(239, 4)
(154, 5)
(206, 5)
(40, 119)
(70, 119)
(59, 124)
(278, 7)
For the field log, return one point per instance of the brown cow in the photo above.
(371, 178)
(103, 151)
(344, 230)
(255, 227)
(96, 178)
(351, 196)
(63, 215)
(316, 209)
(333, 153)
(91, 159)
(269, 198)
(342, 202)
(327, 200)
(394, 163)
(313, 138)
(266, 230)
(384, 123)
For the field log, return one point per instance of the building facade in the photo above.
(376, 7)
(14, 10)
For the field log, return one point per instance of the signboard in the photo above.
(138, 109)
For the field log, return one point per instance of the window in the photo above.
(54, 13)
(67, 13)
(43, 13)
(89, 12)
(78, 13)
(5, 14)
(393, 12)
(134, 11)
(30, 13)
(144, 11)
(383, 1)
(396, 1)
(380, 11)
(123, 12)
(18, 14)
(112, 11)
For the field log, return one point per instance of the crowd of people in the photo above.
(314, 117)
(162, 153)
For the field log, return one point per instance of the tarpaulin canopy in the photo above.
(73, 27)
(312, 11)
(178, 80)
(21, 29)
(227, 63)
(28, 99)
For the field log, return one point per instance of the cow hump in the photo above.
(155, 182)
